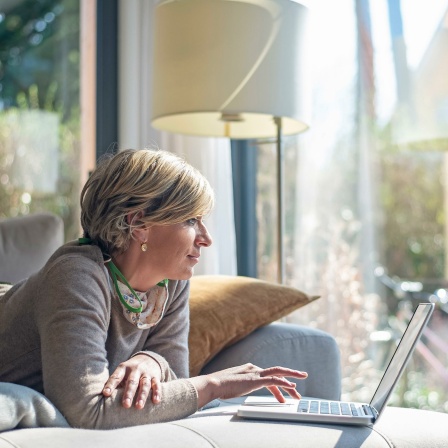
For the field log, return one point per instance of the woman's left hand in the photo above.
(140, 377)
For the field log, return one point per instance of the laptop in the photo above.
(313, 410)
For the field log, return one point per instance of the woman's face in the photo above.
(174, 250)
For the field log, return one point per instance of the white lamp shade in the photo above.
(225, 68)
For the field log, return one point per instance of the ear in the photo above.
(139, 233)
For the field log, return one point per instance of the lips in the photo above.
(195, 255)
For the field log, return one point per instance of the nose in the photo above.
(203, 238)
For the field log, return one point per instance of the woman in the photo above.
(100, 330)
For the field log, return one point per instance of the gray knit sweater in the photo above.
(62, 333)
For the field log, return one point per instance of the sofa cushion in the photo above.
(225, 309)
(221, 428)
(26, 243)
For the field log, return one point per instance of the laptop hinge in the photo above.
(374, 412)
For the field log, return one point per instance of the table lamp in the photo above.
(232, 68)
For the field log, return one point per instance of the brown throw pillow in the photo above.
(225, 309)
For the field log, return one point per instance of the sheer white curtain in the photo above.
(210, 155)
(353, 208)
(331, 226)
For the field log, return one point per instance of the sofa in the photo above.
(28, 419)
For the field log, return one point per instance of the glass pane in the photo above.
(39, 109)
(367, 192)
(267, 207)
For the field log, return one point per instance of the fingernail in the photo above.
(127, 402)
(140, 403)
(107, 390)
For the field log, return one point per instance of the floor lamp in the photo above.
(232, 68)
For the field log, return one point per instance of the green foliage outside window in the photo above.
(39, 109)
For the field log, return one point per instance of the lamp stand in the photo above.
(280, 204)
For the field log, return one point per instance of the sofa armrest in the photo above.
(293, 346)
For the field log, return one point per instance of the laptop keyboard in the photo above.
(333, 408)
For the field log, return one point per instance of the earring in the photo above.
(144, 247)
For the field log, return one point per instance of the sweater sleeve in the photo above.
(72, 315)
(169, 338)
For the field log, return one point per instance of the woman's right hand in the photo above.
(244, 379)
(140, 376)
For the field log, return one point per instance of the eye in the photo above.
(192, 221)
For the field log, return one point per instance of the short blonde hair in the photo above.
(156, 187)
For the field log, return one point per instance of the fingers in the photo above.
(143, 393)
(283, 371)
(156, 392)
(293, 393)
(114, 381)
(145, 386)
(141, 376)
(276, 375)
(131, 387)
(280, 397)
(277, 393)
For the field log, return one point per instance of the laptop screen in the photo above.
(402, 355)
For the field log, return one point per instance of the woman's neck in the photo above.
(134, 267)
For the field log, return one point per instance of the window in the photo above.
(366, 191)
(40, 109)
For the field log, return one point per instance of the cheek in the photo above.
(171, 244)
(170, 247)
